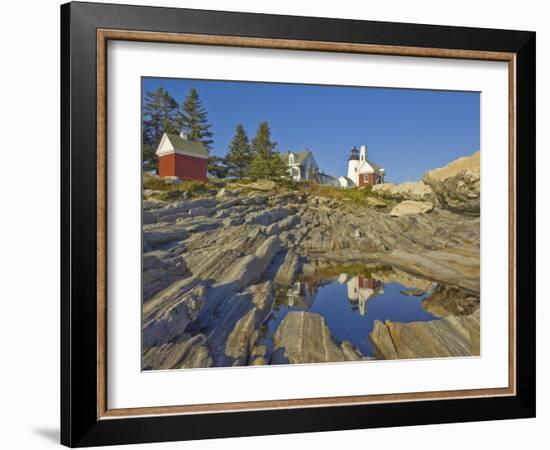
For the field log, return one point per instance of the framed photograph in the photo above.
(276, 224)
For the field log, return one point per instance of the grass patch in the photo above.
(359, 195)
(362, 196)
(169, 191)
(154, 183)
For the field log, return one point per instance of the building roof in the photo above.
(181, 146)
(346, 179)
(374, 166)
(300, 157)
(326, 175)
(365, 164)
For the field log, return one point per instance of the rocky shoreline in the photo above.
(211, 264)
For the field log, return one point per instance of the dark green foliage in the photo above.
(261, 144)
(280, 167)
(266, 163)
(217, 167)
(239, 155)
(271, 167)
(160, 114)
(150, 159)
(193, 120)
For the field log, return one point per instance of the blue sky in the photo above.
(407, 131)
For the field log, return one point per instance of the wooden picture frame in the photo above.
(85, 416)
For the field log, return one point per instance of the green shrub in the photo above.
(193, 186)
(354, 195)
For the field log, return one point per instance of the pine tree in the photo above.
(159, 116)
(193, 120)
(239, 155)
(271, 168)
(149, 157)
(266, 163)
(261, 144)
(217, 167)
(279, 167)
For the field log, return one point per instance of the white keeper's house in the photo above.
(303, 167)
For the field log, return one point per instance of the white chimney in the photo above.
(363, 153)
(184, 135)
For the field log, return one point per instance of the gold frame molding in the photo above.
(105, 35)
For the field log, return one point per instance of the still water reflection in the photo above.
(350, 303)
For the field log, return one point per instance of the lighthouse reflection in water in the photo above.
(349, 303)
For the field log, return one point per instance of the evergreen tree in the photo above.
(261, 144)
(239, 155)
(279, 167)
(193, 120)
(266, 163)
(217, 167)
(150, 158)
(159, 116)
(273, 167)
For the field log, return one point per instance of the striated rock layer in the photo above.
(304, 337)
(451, 336)
(457, 185)
(411, 207)
(409, 190)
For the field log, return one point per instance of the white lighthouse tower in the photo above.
(353, 166)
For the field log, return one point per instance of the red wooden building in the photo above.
(180, 157)
(361, 171)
